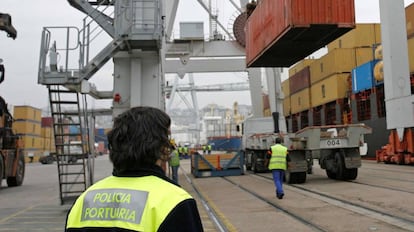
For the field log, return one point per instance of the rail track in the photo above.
(321, 204)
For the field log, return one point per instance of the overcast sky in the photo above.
(21, 56)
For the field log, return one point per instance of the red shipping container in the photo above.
(47, 122)
(279, 33)
(299, 80)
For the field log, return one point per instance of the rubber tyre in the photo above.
(300, 177)
(248, 167)
(331, 174)
(254, 163)
(351, 174)
(340, 166)
(18, 179)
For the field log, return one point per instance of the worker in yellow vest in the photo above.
(209, 148)
(174, 164)
(185, 151)
(278, 159)
(138, 196)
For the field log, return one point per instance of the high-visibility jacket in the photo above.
(209, 147)
(133, 204)
(278, 158)
(175, 159)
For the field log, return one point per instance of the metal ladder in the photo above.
(72, 146)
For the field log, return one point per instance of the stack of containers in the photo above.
(330, 75)
(286, 99)
(101, 140)
(298, 87)
(27, 124)
(47, 135)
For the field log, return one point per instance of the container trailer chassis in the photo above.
(336, 147)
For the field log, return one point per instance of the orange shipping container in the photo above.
(300, 101)
(279, 33)
(329, 89)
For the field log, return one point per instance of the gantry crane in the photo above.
(399, 101)
(138, 35)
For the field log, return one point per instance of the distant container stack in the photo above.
(27, 124)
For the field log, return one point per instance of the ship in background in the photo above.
(223, 133)
(345, 85)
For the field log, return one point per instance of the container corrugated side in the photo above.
(27, 112)
(279, 33)
(27, 127)
(363, 77)
(340, 60)
(300, 101)
(285, 87)
(286, 106)
(409, 18)
(299, 66)
(300, 80)
(329, 89)
(410, 44)
(364, 35)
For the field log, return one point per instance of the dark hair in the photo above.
(278, 140)
(138, 138)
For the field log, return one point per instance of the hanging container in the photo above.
(279, 33)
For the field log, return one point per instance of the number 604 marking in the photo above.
(333, 142)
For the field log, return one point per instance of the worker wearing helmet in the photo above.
(138, 196)
(278, 159)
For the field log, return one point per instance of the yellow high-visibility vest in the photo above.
(137, 203)
(278, 159)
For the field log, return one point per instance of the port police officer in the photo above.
(138, 196)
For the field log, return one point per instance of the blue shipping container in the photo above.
(363, 77)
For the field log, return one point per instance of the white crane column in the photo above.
(138, 80)
(398, 99)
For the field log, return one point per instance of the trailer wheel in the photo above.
(1, 168)
(248, 164)
(254, 163)
(351, 174)
(295, 177)
(331, 174)
(18, 179)
(340, 166)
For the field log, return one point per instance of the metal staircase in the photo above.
(72, 148)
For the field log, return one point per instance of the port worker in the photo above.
(204, 147)
(180, 151)
(174, 162)
(138, 196)
(277, 163)
(185, 149)
(209, 148)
